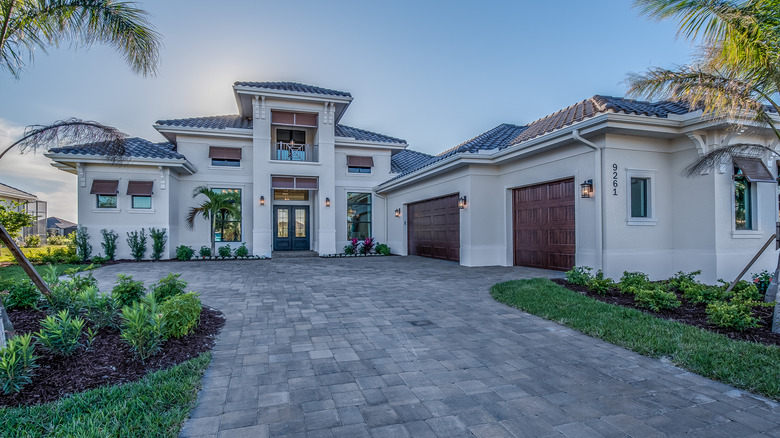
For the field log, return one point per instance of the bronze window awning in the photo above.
(220, 153)
(140, 188)
(294, 182)
(356, 161)
(754, 169)
(104, 187)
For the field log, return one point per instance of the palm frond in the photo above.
(723, 156)
(73, 131)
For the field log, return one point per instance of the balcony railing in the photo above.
(294, 152)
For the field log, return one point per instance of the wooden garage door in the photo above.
(544, 225)
(434, 228)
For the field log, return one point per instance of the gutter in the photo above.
(600, 213)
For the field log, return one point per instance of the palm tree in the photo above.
(216, 204)
(736, 75)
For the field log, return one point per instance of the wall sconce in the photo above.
(262, 200)
(586, 188)
(397, 212)
(462, 202)
(327, 202)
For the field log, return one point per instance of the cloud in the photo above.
(33, 173)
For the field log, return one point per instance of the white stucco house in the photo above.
(598, 184)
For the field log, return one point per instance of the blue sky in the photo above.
(432, 72)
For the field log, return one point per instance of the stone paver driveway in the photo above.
(406, 346)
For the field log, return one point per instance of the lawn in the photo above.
(745, 365)
(15, 271)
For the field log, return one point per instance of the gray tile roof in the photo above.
(362, 134)
(210, 122)
(293, 86)
(55, 222)
(134, 147)
(407, 160)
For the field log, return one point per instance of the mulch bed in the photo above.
(688, 313)
(109, 361)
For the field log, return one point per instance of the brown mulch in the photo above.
(689, 313)
(109, 361)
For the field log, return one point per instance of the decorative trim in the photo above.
(262, 107)
(82, 174)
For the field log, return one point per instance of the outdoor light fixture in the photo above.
(462, 202)
(397, 212)
(327, 202)
(586, 188)
(262, 200)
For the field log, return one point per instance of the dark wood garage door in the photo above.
(544, 225)
(434, 228)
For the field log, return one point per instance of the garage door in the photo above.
(544, 225)
(434, 228)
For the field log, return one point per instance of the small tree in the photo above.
(158, 242)
(14, 217)
(109, 243)
(137, 242)
(83, 247)
(216, 203)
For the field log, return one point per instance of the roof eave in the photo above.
(170, 132)
(351, 141)
(175, 163)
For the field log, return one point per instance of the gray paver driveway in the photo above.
(406, 346)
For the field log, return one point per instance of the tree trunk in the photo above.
(213, 243)
(23, 262)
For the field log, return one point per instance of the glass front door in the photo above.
(291, 228)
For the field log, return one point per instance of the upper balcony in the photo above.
(294, 152)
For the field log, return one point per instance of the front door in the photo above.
(291, 228)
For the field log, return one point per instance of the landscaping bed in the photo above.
(108, 361)
(693, 314)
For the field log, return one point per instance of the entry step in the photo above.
(293, 254)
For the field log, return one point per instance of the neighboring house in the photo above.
(595, 184)
(31, 205)
(59, 227)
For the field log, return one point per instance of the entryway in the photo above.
(291, 228)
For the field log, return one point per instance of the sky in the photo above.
(435, 73)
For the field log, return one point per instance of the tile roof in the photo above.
(362, 134)
(210, 122)
(407, 160)
(134, 147)
(594, 106)
(13, 192)
(293, 86)
(55, 222)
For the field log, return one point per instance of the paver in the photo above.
(407, 346)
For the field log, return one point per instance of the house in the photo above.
(598, 184)
(59, 227)
(29, 203)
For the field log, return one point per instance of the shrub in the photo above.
(701, 293)
(599, 284)
(205, 251)
(382, 249)
(182, 314)
(636, 280)
(159, 239)
(348, 249)
(746, 291)
(242, 251)
(168, 286)
(99, 308)
(32, 241)
(224, 251)
(352, 248)
(21, 295)
(137, 242)
(99, 260)
(64, 293)
(127, 291)
(367, 246)
(109, 243)
(655, 299)
(143, 327)
(56, 239)
(737, 315)
(762, 280)
(60, 333)
(83, 247)
(57, 255)
(681, 279)
(17, 362)
(184, 252)
(579, 275)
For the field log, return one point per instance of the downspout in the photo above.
(575, 134)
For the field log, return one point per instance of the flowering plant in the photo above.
(367, 246)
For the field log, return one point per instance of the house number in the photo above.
(614, 179)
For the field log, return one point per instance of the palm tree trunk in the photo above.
(213, 244)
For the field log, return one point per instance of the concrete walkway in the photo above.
(407, 346)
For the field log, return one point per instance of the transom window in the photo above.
(291, 195)
(358, 215)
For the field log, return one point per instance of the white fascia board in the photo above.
(290, 95)
(183, 130)
(352, 142)
(179, 164)
(16, 195)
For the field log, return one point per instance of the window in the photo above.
(225, 157)
(356, 164)
(743, 201)
(105, 192)
(106, 201)
(291, 145)
(227, 228)
(141, 193)
(291, 195)
(639, 199)
(355, 169)
(142, 202)
(358, 215)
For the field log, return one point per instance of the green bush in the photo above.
(182, 314)
(205, 251)
(100, 309)
(184, 252)
(599, 284)
(127, 291)
(737, 315)
(382, 249)
(159, 239)
(83, 247)
(579, 275)
(349, 249)
(57, 255)
(17, 362)
(32, 241)
(701, 293)
(99, 260)
(746, 291)
(60, 333)
(168, 286)
(21, 295)
(56, 239)
(224, 251)
(109, 243)
(681, 279)
(638, 280)
(762, 280)
(242, 251)
(64, 293)
(143, 327)
(655, 299)
(136, 240)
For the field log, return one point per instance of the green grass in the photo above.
(6, 256)
(746, 365)
(15, 271)
(155, 406)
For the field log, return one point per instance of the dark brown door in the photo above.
(434, 228)
(543, 225)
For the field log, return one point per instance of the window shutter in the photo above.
(221, 153)
(296, 119)
(140, 188)
(306, 183)
(282, 182)
(356, 161)
(104, 187)
(754, 169)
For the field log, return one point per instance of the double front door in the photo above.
(291, 227)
